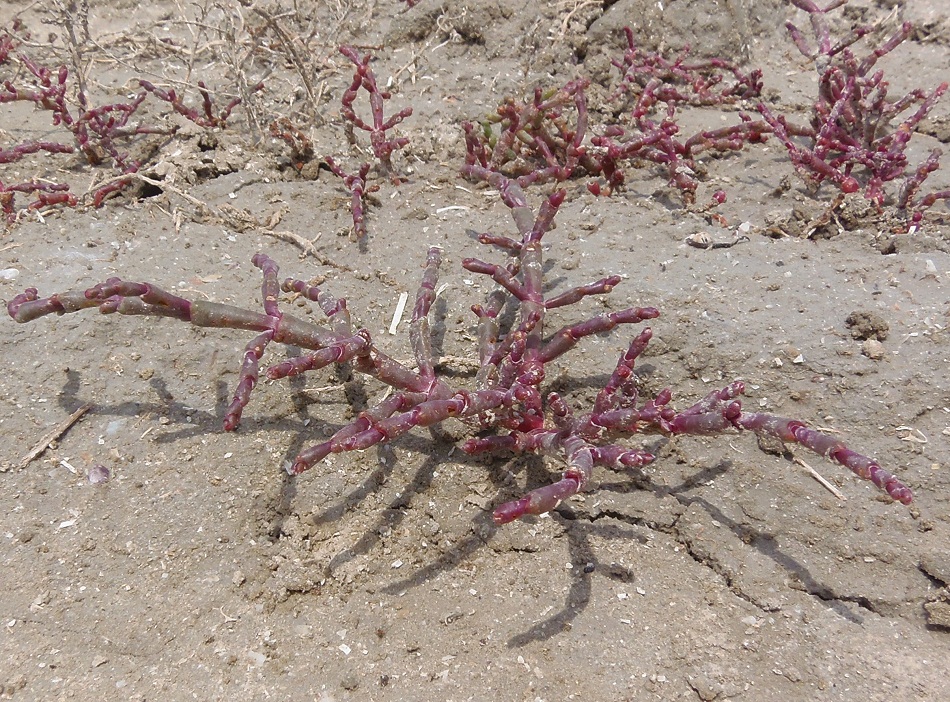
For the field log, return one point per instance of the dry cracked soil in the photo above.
(723, 571)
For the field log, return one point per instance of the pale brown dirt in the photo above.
(202, 571)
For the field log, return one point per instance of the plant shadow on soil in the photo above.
(576, 525)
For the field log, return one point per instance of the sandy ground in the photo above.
(721, 572)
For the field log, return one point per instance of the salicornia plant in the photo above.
(506, 403)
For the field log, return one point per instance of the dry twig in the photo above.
(52, 435)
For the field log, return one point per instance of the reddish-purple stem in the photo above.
(383, 147)
(506, 401)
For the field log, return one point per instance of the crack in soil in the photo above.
(756, 540)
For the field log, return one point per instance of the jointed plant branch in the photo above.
(856, 137)
(507, 404)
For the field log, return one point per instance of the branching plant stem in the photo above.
(507, 405)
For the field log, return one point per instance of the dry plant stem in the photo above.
(824, 483)
(72, 15)
(507, 404)
(53, 435)
(304, 69)
(307, 248)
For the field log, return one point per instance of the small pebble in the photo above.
(98, 474)
(873, 349)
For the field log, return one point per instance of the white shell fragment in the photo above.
(701, 240)
(397, 315)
